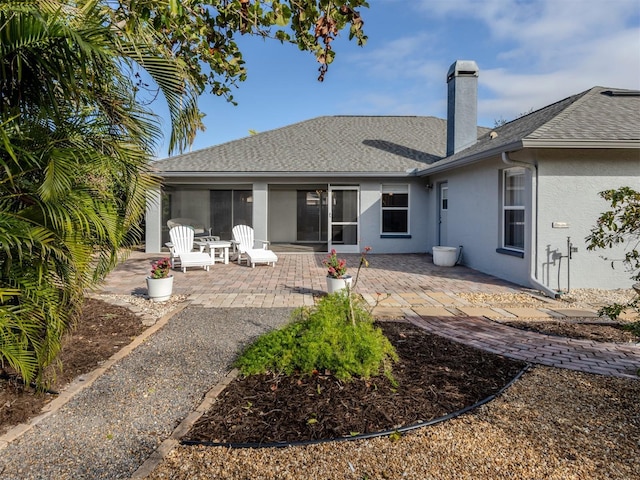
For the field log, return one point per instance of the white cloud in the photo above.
(546, 50)
(402, 57)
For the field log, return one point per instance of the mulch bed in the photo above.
(101, 331)
(434, 376)
(589, 330)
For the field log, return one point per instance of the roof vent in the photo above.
(622, 93)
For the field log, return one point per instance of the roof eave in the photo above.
(476, 157)
(577, 143)
(528, 143)
(185, 174)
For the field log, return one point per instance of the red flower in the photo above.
(161, 268)
(336, 267)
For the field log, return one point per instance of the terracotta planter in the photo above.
(335, 284)
(160, 289)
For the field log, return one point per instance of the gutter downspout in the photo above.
(533, 258)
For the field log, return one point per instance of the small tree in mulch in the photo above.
(336, 336)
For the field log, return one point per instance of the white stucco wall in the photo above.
(568, 192)
(565, 190)
(260, 210)
(371, 217)
(153, 222)
(474, 220)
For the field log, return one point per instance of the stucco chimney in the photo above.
(462, 105)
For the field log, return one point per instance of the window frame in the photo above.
(395, 188)
(504, 208)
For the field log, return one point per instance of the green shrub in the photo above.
(633, 327)
(323, 338)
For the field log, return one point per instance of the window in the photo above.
(513, 208)
(395, 209)
(444, 198)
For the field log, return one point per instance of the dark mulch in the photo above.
(435, 377)
(101, 331)
(588, 330)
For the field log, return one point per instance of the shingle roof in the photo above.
(330, 144)
(399, 145)
(595, 117)
(599, 114)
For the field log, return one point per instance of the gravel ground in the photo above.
(109, 429)
(595, 298)
(589, 298)
(550, 424)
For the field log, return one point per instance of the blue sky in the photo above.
(530, 53)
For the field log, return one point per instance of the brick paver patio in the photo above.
(410, 279)
(403, 285)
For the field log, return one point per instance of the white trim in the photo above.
(392, 188)
(343, 248)
(504, 208)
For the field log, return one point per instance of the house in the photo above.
(517, 200)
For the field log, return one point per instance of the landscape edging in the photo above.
(86, 380)
(366, 436)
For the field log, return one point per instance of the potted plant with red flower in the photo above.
(337, 278)
(160, 281)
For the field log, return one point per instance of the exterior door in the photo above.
(443, 196)
(344, 209)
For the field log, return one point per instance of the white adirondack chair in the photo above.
(245, 244)
(181, 250)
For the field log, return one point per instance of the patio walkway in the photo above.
(408, 286)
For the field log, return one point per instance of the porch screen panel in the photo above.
(345, 234)
(243, 207)
(221, 213)
(167, 201)
(344, 216)
(229, 208)
(345, 207)
(311, 215)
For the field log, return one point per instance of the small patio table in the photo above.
(222, 245)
